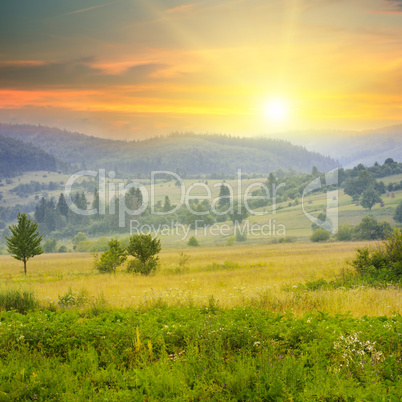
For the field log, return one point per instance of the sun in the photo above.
(276, 110)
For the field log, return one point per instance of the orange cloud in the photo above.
(183, 9)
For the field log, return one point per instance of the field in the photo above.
(234, 276)
(228, 323)
(224, 321)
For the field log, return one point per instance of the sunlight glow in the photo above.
(276, 110)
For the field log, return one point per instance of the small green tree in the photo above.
(344, 233)
(224, 196)
(320, 235)
(24, 242)
(398, 213)
(193, 242)
(370, 197)
(112, 258)
(50, 246)
(238, 213)
(167, 206)
(144, 248)
(327, 225)
(78, 238)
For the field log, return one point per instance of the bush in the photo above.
(241, 237)
(320, 235)
(111, 259)
(382, 263)
(231, 240)
(344, 233)
(138, 267)
(62, 249)
(193, 242)
(21, 301)
(50, 246)
(371, 229)
(144, 248)
(398, 213)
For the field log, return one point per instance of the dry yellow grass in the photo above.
(235, 276)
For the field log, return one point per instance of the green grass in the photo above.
(203, 353)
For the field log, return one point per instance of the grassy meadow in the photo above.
(247, 321)
(248, 274)
(214, 323)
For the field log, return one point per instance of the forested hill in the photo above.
(190, 153)
(17, 157)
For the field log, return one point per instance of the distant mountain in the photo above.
(190, 153)
(352, 148)
(17, 157)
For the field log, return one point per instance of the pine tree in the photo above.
(40, 210)
(24, 242)
(224, 196)
(167, 206)
(62, 206)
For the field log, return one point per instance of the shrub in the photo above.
(193, 242)
(231, 240)
(382, 263)
(241, 237)
(320, 235)
(398, 213)
(62, 249)
(111, 259)
(145, 249)
(21, 301)
(138, 267)
(370, 229)
(50, 246)
(73, 298)
(344, 233)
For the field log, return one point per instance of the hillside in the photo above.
(352, 148)
(190, 153)
(17, 157)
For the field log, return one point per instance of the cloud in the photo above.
(397, 3)
(183, 9)
(71, 74)
(87, 9)
(392, 7)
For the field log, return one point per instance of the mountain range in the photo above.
(186, 153)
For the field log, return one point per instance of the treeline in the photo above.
(17, 157)
(23, 190)
(189, 152)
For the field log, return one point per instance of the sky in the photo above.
(133, 69)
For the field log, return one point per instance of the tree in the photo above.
(50, 246)
(144, 249)
(24, 242)
(320, 235)
(327, 225)
(356, 187)
(398, 213)
(78, 238)
(112, 258)
(238, 214)
(224, 196)
(344, 233)
(370, 229)
(167, 206)
(370, 197)
(193, 242)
